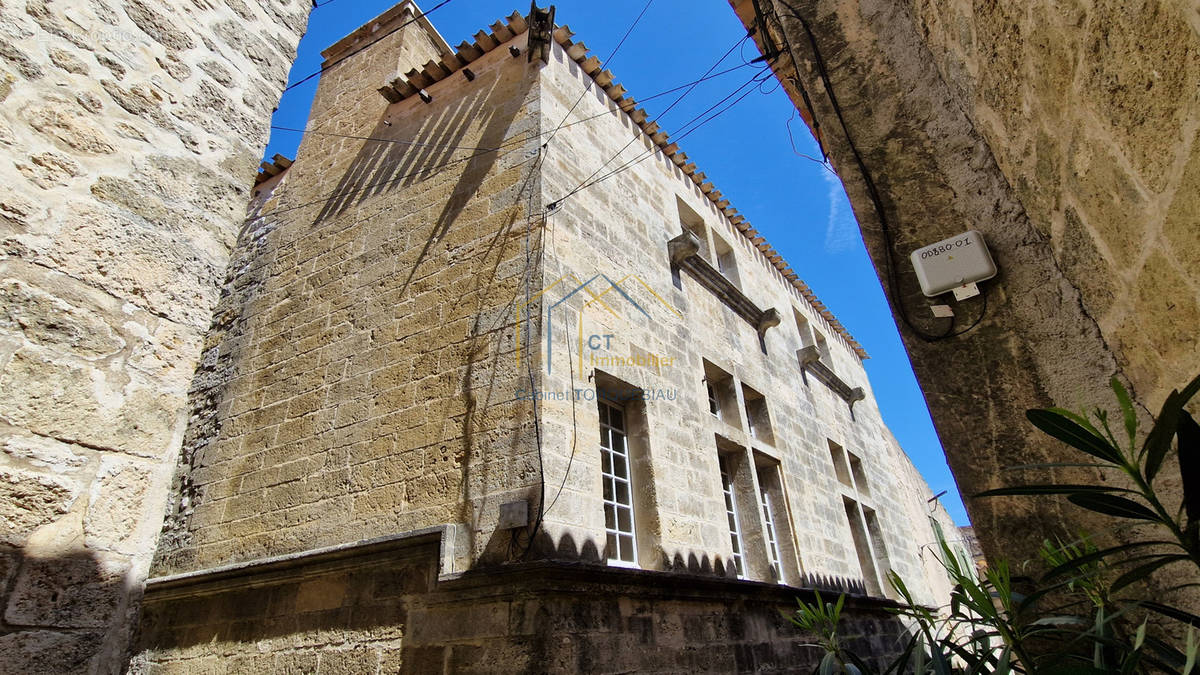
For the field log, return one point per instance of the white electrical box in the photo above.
(953, 263)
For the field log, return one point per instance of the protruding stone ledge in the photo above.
(684, 251)
(810, 362)
(342, 556)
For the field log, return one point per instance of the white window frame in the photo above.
(714, 400)
(769, 524)
(617, 478)
(735, 530)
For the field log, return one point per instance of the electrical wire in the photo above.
(540, 161)
(574, 425)
(514, 140)
(872, 191)
(323, 68)
(345, 193)
(639, 133)
(588, 84)
(824, 163)
(678, 135)
(398, 141)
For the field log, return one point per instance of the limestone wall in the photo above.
(1062, 132)
(130, 131)
(620, 228)
(381, 611)
(1092, 113)
(359, 378)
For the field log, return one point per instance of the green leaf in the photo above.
(1112, 505)
(1059, 621)
(1127, 410)
(1074, 435)
(1002, 668)
(1142, 571)
(1140, 637)
(1173, 612)
(1192, 648)
(1189, 466)
(828, 664)
(1095, 556)
(1163, 655)
(1077, 418)
(1158, 442)
(1065, 489)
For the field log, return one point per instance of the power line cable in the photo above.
(346, 193)
(482, 150)
(872, 191)
(588, 85)
(323, 68)
(512, 141)
(541, 157)
(639, 133)
(678, 135)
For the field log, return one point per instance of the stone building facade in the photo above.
(1065, 132)
(130, 132)
(456, 410)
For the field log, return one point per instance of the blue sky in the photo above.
(752, 153)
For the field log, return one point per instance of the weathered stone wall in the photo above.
(620, 228)
(931, 584)
(1066, 134)
(1092, 111)
(130, 133)
(385, 611)
(359, 379)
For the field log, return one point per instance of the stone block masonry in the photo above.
(378, 371)
(380, 610)
(360, 380)
(130, 133)
(1066, 132)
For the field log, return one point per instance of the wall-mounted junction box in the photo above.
(953, 263)
(513, 515)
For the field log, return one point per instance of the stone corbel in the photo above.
(767, 321)
(808, 355)
(682, 247)
(856, 394)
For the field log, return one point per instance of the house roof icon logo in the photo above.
(570, 286)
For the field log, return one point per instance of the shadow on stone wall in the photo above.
(407, 201)
(60, 612)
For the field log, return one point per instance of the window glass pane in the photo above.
(623, 493)
(610, 519)
(621, 465)
(611, 546)
(603, 413)
(624, 519)
(606, 462)
(617, 418)
(626, 547)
